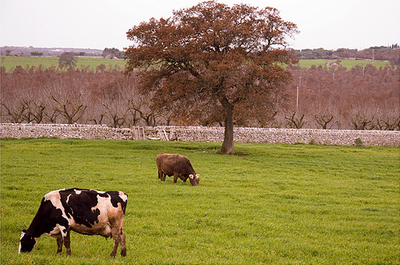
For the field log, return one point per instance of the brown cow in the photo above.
(177, 165)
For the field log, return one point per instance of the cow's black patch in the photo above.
(78, 204)
(115, 199)
(46, 219)
(52, 216)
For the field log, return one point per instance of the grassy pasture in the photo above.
(279, 204)
(10, 63)
(346, 63)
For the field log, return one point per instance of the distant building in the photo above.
(332, 63)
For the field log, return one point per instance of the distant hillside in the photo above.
(48, 52)
(381, 53)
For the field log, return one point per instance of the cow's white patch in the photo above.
(22, 235)
(55, 198)
(67, 200)
(102, 205)
(19, 247)
(58, 229)
(78, 192)
(123, 196)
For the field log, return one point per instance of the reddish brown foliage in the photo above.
(211, 59)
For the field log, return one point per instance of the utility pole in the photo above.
(373, 55)
(297, 97)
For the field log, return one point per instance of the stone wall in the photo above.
(201, 134)
(64, 131)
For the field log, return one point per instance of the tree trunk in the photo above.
(227, 145)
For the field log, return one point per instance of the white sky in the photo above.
(99, 24)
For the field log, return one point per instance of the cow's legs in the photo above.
(59, 244)
(123, 243)
(175, 178)
(116, 240)
(161, 175)
(67, 243)
(118, 236)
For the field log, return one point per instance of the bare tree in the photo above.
(67, 59)
(388, 118)
(15, 113)
(35, 111)
(323, 120)
(325, 115)
(67, 97)
(295, 120)
(362, 117)
(142, 108)
(71, 111)
(118, 119)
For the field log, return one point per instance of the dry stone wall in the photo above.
(64, 131)
(201, 134)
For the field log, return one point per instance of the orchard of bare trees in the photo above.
(73, 96)
(361, 98)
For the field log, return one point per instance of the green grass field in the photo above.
(10, 62)
(26, 62)
(346, 63)
(279, 204)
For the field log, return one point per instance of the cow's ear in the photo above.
(191, 176)
(197, 176)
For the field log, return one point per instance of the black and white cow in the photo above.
(84, 211)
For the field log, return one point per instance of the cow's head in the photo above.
(27, 242)
(194, 179)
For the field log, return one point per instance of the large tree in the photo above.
(211, 59)
(67, 59)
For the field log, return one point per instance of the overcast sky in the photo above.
(98, 24)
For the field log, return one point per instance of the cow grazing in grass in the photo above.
(177, 165)
(84, 211)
